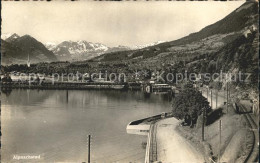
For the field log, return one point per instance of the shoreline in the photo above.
(230, 149)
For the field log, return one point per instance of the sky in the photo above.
(126, 23)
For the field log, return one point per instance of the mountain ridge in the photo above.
(228, 28)
(17, 49)
(85, 50)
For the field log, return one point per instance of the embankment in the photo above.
(229, 142)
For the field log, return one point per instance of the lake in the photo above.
(55, 124)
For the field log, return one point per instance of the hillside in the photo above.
(208, 41)
(229, 45)
(16, 49)
(12, 37)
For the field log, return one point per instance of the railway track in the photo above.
(254, 153)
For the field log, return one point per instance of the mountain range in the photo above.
(84, 50)
(80, 50)
(229, 45)
(16, 49)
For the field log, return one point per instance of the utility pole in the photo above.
(67, 96)
(216, 98)
(229, 92)
(207, 93)
(227, 96)
(219, 140)
(211, 102)
(89, 137)
(203, 123)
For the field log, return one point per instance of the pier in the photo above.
(146, 88)
(64, 85)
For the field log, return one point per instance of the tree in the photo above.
(7, 78)
(189, 104)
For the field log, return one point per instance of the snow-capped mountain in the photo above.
(16, 49)
(5, 35)
(84, 50)
(118, 48)
(50, 45)
(80, 50)
(146, 45)
(10, 37)
(77, 50)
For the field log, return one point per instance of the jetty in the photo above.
(147, 126)
(64, 85)
(142, 126)
(68, 85)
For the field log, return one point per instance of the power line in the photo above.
(89, 140)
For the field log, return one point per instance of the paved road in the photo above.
(171, 147)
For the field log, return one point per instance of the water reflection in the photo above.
(55, 124)
(6, 91)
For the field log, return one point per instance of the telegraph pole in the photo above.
(67, 96)
(216, 98)
(219, 140)
(207, 93)
(229, 92)
(227, 96)
(211, 102)
(203, 123)
(89, 137)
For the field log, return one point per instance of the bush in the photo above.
(189, 104)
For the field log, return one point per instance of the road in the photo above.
(172, 147)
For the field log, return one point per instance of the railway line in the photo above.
(153, 143)
(254, 153)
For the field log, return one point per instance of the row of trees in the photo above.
(189, 105)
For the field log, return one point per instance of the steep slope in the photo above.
(207, 41)
(230, 45)
(17, 50)
(12, 37)
(5, 35)
(9, 52)
(236, 21)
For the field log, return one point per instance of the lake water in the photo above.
(55, 124)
